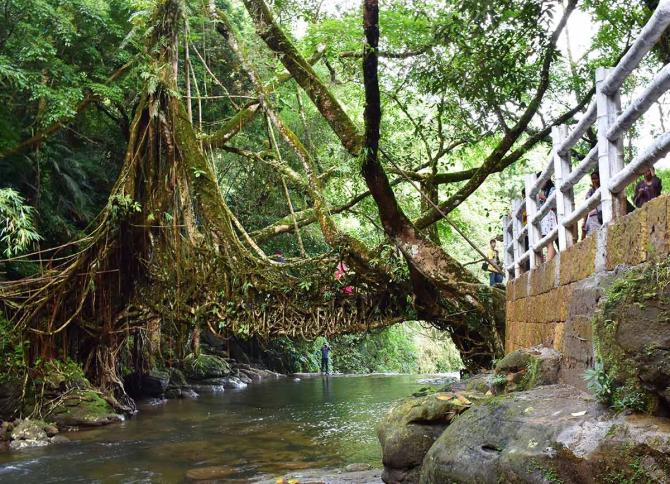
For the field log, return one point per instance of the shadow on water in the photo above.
(266, 429)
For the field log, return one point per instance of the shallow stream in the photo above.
(267, 429)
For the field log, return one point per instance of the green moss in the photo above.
(531, 376)
(635, 288)
(634, 473)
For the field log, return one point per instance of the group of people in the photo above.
(646, 189)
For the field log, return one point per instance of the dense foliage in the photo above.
(468, 89)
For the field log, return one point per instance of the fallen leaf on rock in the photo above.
(578, 414)
(463, 400)
(444, 396)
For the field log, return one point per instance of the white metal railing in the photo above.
(521, 234)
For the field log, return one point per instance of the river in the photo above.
(265, 430)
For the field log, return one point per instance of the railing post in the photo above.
(516, 230)
(531, 210)
(565, 200)
(507, 257)
(610, 154)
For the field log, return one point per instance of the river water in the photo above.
(265, 430)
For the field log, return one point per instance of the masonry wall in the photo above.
(554, 304)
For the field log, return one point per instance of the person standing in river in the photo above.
(325, 352)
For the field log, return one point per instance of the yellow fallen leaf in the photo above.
(462, 399)
(293, 481)
(578, 414)
(444, 396)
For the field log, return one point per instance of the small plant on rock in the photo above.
(600, 383)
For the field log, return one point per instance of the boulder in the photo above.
(229, 382)
(82, 408)
(178, 387)
(205, 366)
(409, 430)
(526, 368)
(632, 338)
(553, 433)
(147, 385)
(28, 433)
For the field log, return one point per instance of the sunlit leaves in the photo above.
(17, 229)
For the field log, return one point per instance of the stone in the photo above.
(50, 430)
(205, 366)
(178, 387)
(527, 368)
(147, 385)
(553, 433)
(209, 473)
(29, 430)
(83, 408)
(632, 334)
(229, 382)
(27, 434)
(177, 377)
(59, 439)
(627, 240)
(409, 430)
(359, 467)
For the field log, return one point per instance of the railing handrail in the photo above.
(522, 241)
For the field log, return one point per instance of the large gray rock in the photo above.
(205, 366)
(26, 434)
(553, 433)
(632, 335)
(178, 387)
(409, 430)
(152, 384)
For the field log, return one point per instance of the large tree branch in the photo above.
(387, 54)
(275, 38)
(510, 137)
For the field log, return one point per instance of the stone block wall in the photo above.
(554, 303)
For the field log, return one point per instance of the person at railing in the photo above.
(549, 221)
(594, 219)
(495, 277)
(649, 187)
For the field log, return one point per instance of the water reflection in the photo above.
(267, 429)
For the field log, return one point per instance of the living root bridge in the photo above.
(164, 258)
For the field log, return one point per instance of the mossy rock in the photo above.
(177, 378)
(551, 434)
(476, 384)
(632, 337)
(82, 408)
(512, 362)
(527, 368)
(205, 366)
(409, 429)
